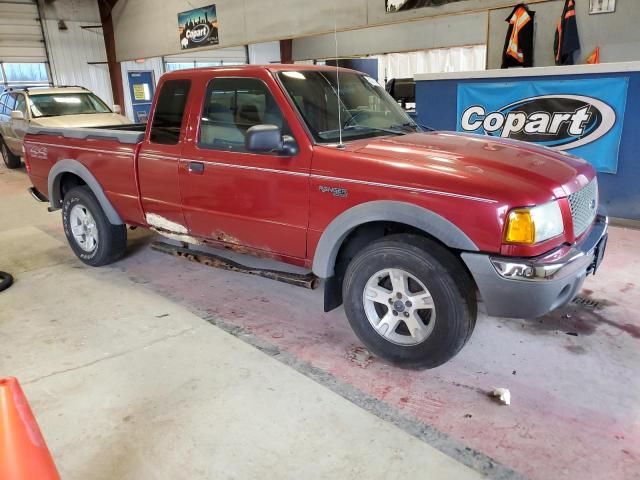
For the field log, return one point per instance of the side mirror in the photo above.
(17, 115)
(117, 109)
(269, 139)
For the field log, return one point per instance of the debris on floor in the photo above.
(360, 356)
(502, 394)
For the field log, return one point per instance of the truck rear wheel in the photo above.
(91, 236)
(410, 301)
(10, 160)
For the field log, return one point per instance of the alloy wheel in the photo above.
(399, 307)
(83, 228)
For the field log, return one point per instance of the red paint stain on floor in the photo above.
(575, 400)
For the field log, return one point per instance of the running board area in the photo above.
(37, 195)
(308, 280)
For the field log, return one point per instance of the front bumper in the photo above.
(532, 287)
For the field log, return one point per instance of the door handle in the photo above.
(196, 168)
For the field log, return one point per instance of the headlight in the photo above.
(535, 224)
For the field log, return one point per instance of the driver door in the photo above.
(237, 197)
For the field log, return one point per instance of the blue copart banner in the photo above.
(582, 117)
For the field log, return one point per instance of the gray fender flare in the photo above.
(75, 167)
(384, 210)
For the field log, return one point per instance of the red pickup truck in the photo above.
(320, 168)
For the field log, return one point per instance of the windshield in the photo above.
(57, 104)
(366, 109)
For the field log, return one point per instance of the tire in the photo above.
(10, 160)
(445, 312)
(6, 280)
(96, 241)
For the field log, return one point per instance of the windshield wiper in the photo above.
(390, 130)
(414, 126)
(366, 129)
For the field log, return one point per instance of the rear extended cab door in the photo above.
(159, 155)
(234, 196)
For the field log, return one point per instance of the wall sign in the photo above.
(602, 6)
(402, 5)
(198, 27)
(583, 117)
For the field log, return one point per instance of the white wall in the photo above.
(254, 21)
(428, 33)
(264, 53)
(71, 51)
(617, 34)
(225, 55)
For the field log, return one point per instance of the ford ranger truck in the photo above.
(409, 229)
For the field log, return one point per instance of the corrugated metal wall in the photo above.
(72, 51)
(20, 33)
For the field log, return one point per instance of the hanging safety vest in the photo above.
(567, 40)
(518, 50)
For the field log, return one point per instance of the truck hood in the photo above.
(80, 121)
(482, 165)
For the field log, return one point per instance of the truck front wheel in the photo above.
(91, 236)
(410, 301)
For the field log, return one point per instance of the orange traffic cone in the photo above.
(23, 452)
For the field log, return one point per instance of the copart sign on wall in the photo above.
(582, 117)
(198, 27)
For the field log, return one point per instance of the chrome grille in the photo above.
(584, 206)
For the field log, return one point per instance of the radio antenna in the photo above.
(335, 36)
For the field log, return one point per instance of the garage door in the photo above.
(23, 55)
(20, 33)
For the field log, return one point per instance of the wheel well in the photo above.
(363, 235)
(68, 181)
(359, 238)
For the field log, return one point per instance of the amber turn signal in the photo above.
(520, 227)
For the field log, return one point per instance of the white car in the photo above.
(58, 107)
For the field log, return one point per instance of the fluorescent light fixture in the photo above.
(296, 75)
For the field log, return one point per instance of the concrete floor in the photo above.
(159, 368)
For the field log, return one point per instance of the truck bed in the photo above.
(128, 134)
(108, 153)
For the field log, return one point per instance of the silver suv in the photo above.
(49, 107)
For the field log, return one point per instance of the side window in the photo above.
(10, 103)
(231, 107)
(3, 97)
(21, 104)
(169, 114)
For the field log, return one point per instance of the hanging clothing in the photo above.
(567, 40)
(518, 46)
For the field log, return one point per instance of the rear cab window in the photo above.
(169, 114)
